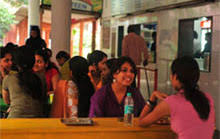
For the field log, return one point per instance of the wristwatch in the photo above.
(151, 104)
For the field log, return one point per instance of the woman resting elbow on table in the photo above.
(191, 111)
(161, 110)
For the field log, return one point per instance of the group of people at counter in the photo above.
(101, 86)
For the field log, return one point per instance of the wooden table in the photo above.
(104, 128)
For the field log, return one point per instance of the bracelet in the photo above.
(151, 104)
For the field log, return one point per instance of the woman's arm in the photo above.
(55, 80)
(5, 95)
(162, 109)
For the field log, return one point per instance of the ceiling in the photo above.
(47, 16)
(22, 12)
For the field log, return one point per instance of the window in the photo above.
(195, 39)
(149, 33)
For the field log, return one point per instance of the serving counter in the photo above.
(103, 128)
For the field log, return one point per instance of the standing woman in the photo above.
(35, 42)
(45, 66)
(80, 84)
(191, 110)
(109, 100)
(24, 91)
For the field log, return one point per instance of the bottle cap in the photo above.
(128, 94)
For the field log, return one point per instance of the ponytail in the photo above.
(187, 71)
(197, 99)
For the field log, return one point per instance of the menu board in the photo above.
(129, 6)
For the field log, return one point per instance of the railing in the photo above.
(139, 68)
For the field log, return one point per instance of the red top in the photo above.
(49, 74)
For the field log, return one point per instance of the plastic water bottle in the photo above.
(72, 101)
(129, 110)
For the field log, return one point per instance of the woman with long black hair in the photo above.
(25, 90)
(80, 87)
(191, 110)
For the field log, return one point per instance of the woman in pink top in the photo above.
(191, 110)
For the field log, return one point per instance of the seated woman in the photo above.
(25, 90)
(191, 110)
(80, 84)
(96, 61)
(109, 100)
(62, 58)
(43, 65)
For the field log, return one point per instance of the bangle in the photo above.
(151, 104)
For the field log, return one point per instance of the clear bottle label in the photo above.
(129, 109)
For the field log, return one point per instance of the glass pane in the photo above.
(195, 37)
(149, 33)
(87, 39)
(76, 38)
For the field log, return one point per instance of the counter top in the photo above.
(103, 128)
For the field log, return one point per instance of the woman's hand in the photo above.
(161, 110)
(158, 95)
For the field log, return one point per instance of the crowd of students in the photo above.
(101, 85)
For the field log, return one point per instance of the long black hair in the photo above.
(187, 71)
(3, 52)
(79, 68)
(24, 60)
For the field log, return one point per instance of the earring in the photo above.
(114, 80)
